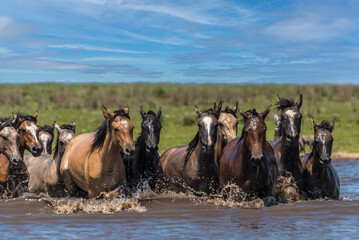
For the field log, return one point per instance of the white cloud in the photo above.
(92, 48)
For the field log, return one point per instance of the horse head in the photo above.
(151, 128)
(323, 141)
(254, 133)
(9, 142)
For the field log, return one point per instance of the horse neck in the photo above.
(316, 168)
(110, 152)
(220, 144)
(22, 149)
(59, 154)
(143, 160)
(290, 157)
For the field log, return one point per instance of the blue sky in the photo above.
(211, 41)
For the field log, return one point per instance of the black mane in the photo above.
(229, 110)
(7, 123)
(284, 103)
(325, 125)
(20, 118)
(101, 131)
(48, 129)
(4, 119)
(251, 112)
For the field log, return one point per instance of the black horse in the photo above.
(143, 166)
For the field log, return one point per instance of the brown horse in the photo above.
(46, 137)
(93, 162)
(321, 179)
(9, 149)
(227, 129)
(44, 171)
(194, 165)
(286, 148)
(249, 161)
(29, 133)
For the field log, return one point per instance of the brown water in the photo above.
(180, 216)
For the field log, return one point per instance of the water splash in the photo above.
(285, 189)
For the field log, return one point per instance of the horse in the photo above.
(93, 162)
(44, 173)
(249, 161)
(193, 166)
(46, 137)
(305, 140)
(227, 129)
(28, 131)
(320, 177)
(9, 149)
(144, 164)
(286, 148)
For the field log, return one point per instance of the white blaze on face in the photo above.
(291, 114)
(32, 129)
(207, 124)
(124, 123)
(44, 138)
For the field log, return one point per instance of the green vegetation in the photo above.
(64, 103)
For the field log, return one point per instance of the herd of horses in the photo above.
(90, 164)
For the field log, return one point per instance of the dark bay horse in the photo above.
(227, 129)
(46, 137)
(9, 149)
(194, 165)
(44, 171)
(286, 148)
(93, 162)
(321, 179)
(249, 161)
(28, 131)
(144, 164)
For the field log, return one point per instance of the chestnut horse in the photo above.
(249, 161)
(46, 137)
(144, 164)
(286, 148)
(93, 162)
(227, 130)
(194, 165)
(44, 171)
(29, 133)
(321, 179)
(9, 149)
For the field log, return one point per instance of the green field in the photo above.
(82, 103)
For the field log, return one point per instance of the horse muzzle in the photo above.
(292, 139)
(129, 152)
(15, 160)
(151, 149)
(256, 161)
(36, 151)
(325, 161)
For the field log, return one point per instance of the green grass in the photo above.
(82, 103)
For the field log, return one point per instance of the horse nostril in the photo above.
(132, 152)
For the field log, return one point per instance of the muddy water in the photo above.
(179, 216)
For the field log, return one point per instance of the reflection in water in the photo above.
(184, 216)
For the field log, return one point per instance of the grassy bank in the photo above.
(64, 103)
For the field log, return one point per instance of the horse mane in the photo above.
(101, 131)
(230, 111)
(325, 125)
(284, 103)
(63, 126)
(4, 119)
(24, 117)
(48, 129)
(211, 111)
(7, 123)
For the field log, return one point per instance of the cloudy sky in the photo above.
(215, 41)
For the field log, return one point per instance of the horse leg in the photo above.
(72, 189)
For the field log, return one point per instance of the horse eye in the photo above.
(116, 129)
(220, 124)
(3, 137)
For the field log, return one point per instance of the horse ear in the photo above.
(299, 102)
(331, 125)
(235, 108)
(143, 114)
(158, 114)
(14, 117)
(127, 109)
(266, 111)
(278, 98)
(35, 115)
(243, 114)
(315, 126)
(219, 108)
(199, 113)
(215, 106)
(74, 123)
(107, 113)
(57, 127)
